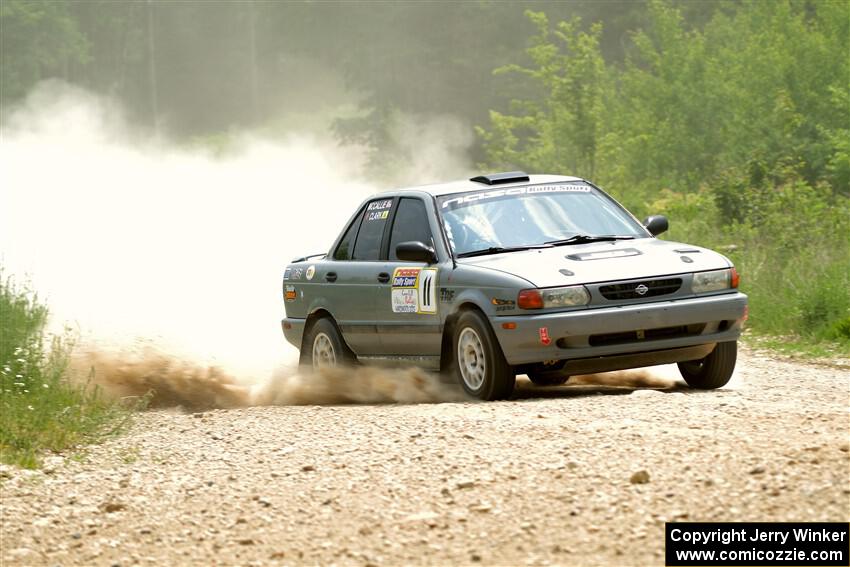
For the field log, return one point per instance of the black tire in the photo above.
(547, 378)
(323, 347)
(713, 371)
(479, 364)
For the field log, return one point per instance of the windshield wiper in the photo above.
(584, 238)
(500, 249)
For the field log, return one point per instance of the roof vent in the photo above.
(500, 178)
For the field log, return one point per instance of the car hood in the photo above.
(602, 261)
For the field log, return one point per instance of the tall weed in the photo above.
(39, 409)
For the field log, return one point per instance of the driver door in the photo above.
(407, 319)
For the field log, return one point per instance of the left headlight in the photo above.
(715, 280)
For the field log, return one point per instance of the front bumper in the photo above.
(611, 331)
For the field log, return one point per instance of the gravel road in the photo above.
(576, 475)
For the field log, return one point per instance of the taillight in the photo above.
(529, 299)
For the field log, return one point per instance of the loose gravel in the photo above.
(573, 475)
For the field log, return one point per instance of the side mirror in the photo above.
(656, 224)
(415, 251)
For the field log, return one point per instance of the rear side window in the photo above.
(374, 220)
(343, 251)
(411, 223)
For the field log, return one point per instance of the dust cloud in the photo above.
(637, 378)
(166, 260)
(161, 380)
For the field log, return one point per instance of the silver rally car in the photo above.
(508, 274)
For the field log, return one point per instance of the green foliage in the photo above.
(760, 85)
(38, 40)
(559, 129)
(39, 409)
(840, 330)
(791, 248)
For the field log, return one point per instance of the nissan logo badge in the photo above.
(641, 289)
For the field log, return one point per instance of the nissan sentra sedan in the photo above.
(507, 274)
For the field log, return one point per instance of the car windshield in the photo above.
(517, 218)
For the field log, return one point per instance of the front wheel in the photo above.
(323, 347)
(713, 371)
(480, 365)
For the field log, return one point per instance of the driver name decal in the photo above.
(414, 290)
(378, 210)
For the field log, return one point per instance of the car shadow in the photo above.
(608, 384)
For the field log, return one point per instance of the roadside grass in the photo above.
(793, 259)
(40, 410)
(799, 348)
(799, 306)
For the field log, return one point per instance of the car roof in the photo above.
(464, 185)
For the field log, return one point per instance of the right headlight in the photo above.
(571, 296)
(715, 280)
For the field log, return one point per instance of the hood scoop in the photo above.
(604, 254)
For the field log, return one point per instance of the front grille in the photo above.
(646, 335)
(630, 290)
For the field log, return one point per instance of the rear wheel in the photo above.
(323, 347)
(480, 365)
(713, 371)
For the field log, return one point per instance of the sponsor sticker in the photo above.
(503, 304)
(289, 293)
(286, 273)
(414, 290)
(403, 295)
(296, 274)
(404, 300)
(543, 332)
(532, 190)
(446, 295)
(311, 271)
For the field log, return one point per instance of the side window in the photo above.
(343, 250)
(411, 223)
(374, 219)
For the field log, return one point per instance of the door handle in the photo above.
(330, 276)
(383, 277)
